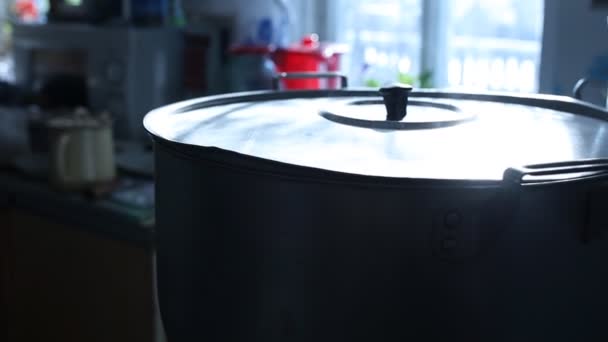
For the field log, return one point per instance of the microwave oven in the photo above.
(126, 70)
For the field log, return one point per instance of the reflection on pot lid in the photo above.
(443, 136)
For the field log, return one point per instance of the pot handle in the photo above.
(572, 171)
(395, 99)
(276, 81)
(577, 91)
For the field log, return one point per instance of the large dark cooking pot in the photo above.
(318, 216)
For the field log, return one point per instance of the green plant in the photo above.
(406, 79)
(424, 80)
(371, 83)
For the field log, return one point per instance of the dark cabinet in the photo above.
(65, 284)
(5, 248)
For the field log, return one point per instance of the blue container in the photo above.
(149, 11)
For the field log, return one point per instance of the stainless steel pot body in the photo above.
(254, 250)
(304, 216)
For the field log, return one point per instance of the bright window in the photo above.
(465, 44)
(384, 36)
(494, 44)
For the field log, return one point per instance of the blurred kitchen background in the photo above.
(77, 77)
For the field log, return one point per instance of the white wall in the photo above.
(301, 20)
(574, 34)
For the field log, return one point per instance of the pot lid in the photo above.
(390, 133)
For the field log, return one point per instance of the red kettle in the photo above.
(309, 55)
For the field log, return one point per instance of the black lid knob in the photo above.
(395, 100)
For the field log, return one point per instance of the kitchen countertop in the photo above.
(24, 185)
(106, 217)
